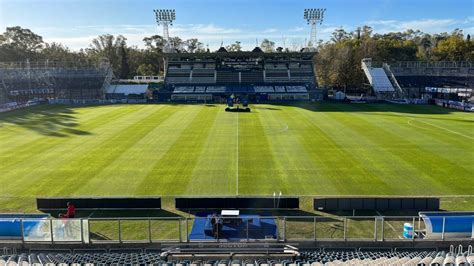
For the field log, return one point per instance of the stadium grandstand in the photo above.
(379, 182)
(271, 256)
(256, 75)
(27, 83)
(441, 81)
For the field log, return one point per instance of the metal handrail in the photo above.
(283, 235)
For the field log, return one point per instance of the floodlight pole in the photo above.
(165, 18)
(166, 33)
(314, 16)
(313, 34)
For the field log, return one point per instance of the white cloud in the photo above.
(212, 34)
(207, 33)
(272, 30)
(425, 25)
(297, 29)
(74, 43)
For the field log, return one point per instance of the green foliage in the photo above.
(194, 45)
(267, 46)
(107, 46)
(146, 70)
(234, 47)
(338, 61)
(124, 66)
(17, 42)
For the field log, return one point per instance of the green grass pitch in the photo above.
(166, 149)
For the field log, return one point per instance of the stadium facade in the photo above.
(255, 75)
(24, 83)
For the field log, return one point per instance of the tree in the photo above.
(155, 42)
(17, 43)
(339, 35)
(124, 67)
(146, 70)
(59, 52)
(177, 44)
(193, 45)
(267, 46)
(107, 46)
(454, 48)
(22, 39)
(234, 47)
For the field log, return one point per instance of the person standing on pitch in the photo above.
(71, 211)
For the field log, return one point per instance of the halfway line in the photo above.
(237, 159)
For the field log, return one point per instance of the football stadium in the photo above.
(352, 150)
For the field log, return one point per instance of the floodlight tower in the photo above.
(313, 16)
(165, 18)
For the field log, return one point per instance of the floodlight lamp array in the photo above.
(313, 15)
(165, 16)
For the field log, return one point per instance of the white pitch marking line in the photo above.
(440, 127)
(237, 160)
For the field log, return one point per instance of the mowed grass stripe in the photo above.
(259, 173)
(304, 174)
(172, 173)
(432, 139)
(216, 167)
(351, 143)
(424, 122)
(27, 153)
(435, 140)
(124, 175)
(343, 167)
(63, 164)
(457, 121)
(110, 149)
(20, 142)
(390, 169)
(433, 169)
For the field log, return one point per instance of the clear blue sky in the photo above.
(76, 22)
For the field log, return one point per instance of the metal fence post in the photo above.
(345, 228)
(149, 230)
(314, 229)
(22, 231)
(413, 235)
(247, 230)
(51, 230)
(375, 229)
(187, 229)
(119, 231)
(89, 231)
(284, 229)
(179, 229)
(383, 230)
(442, 232)
(82, 231)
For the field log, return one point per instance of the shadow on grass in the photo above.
(47, 120)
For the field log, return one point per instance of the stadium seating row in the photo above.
(304, 258)
(230, 89)
(434, 81)
(206, 76)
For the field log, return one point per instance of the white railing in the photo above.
(177, 229)
(394, 81)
